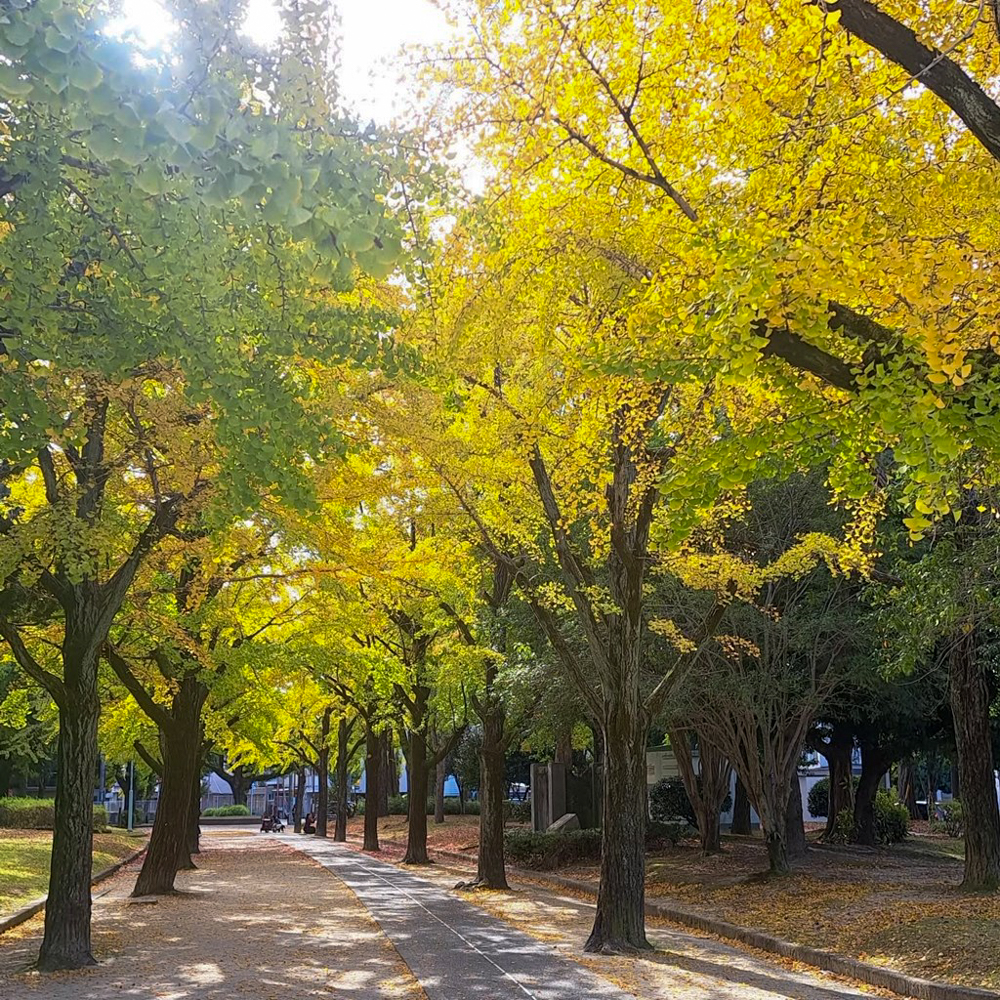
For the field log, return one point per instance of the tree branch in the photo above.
(156, 712)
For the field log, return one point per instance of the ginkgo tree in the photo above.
(176, 237)
(814, 216)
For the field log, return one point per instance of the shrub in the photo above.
(452, 806)
(398, 805)
(818, 801)
(38, 814)
(545, 851)
(892, 819)
(668, 801)
(660, 834)
(843, 828)
(953, 822)
(226, 811)
(517, 812)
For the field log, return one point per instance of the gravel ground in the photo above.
(256, 921)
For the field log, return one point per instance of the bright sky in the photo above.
(373, 32)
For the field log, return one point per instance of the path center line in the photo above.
(444, 923)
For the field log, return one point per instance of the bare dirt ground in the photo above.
(257, 922)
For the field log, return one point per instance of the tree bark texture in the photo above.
(491, 872)
(874, 763)
(795, 831)
(970, 706)
(383, 778)
(439, 779)
(300, 797)
(66, 940)
(181, 748)
(619, 925)
(323, 775)
(741, 811)
(417, 776)
(838, 752)
(372, 747)
(344, 729)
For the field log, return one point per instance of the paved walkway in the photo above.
(256, 921)
(456, 950)
(261, 921)
(685, 966)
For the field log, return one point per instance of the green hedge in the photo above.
(226, 811)
(517, 812)
(38, 814)
(399, 806)
(545, 851)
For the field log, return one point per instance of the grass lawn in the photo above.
(24, 861)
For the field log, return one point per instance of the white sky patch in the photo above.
(373, 35)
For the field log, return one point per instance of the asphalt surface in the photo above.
(456, 951)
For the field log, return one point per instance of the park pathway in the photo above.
(456, 950)
(537, 933)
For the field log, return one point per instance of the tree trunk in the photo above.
(383, 780)
(795, 831)
(66, 942)
(491, 872)
(323, 775)
(773, 812)
(439, 791)
(193, 845)
(741, 811)
(240, 783)
(874, 764)
(970, 706)
(344, 730)
(619, 925)
(838, 756)
(181, 748)
(564, 747)
(416, 837)
(300, 798)
(907, 788)
(372, 746)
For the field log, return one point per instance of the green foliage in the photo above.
(669, 801)
(843, 828)
(226, 811)
(818, 801)
(954, 821)
(892, 820)
(38, 814)
(517, 812)
(660, 834)
(545, 851)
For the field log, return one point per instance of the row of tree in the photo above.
(285, 504)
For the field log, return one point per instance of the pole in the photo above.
(130, 802)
